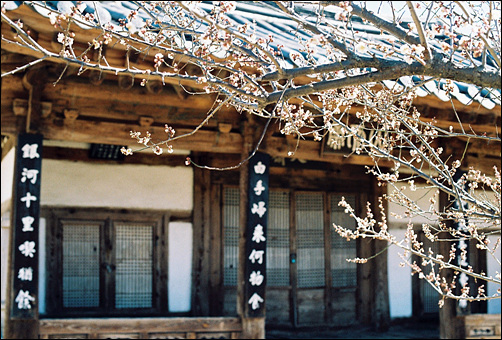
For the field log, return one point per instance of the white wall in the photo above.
(400, 289)
(420, 196)
(180, 266)
(66, 183)
(400, 295)
(7, 168)
(7, 175)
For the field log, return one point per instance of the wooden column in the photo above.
(448, 322)
(243, 198)
(381, 312)
(216, 253)
(201, 221)
(364, 272)
(22, 273)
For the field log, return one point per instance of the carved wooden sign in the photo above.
(256, 231)
(462, 249)
(343, 142)
(26, 212)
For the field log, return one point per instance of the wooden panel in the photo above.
(278, 308)
(68, 336)
(132, 326)
(310, 307)
(343, 307)
(482, 326)
(229, 301)
(118, 336)
(167, 336)
(220, 335)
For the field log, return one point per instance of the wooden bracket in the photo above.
(180, 91)
(154, 86)
(96, 77)
(20, 107)
(145, 121)
(224, 127)
(70, 115)
(125, 81)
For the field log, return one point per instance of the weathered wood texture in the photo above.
(381, 311)
(200, 290)
(141, 328)
(311, 308)
(365, 275)
(343, 307)
(278, 308)
(247, 145)
(215, 253)
(253, 328)
(480, 326)
(449, 324)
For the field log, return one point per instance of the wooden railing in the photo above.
(141, 328)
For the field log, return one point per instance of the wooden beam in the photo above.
(310, 150)
(72, 154)
(135, 325)
(119, 134)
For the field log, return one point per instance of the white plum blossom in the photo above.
(361, 47)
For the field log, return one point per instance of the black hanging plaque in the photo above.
(256, 231)
(26, 208)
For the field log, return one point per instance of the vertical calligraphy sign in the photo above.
(256, 234)
(26, 208)
(462, 248)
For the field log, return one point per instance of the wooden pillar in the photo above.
(364, 273)
(243, 198)
(201, 221)
(381, 311)
(447, 313)
(22, 269)
(216, 254)
(449, 325)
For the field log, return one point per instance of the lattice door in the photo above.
(81, 248)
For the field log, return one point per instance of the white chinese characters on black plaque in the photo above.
(24, 292)
(256, 234)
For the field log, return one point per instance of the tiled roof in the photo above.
(269, 20)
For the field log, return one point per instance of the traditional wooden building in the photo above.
(148, 247)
